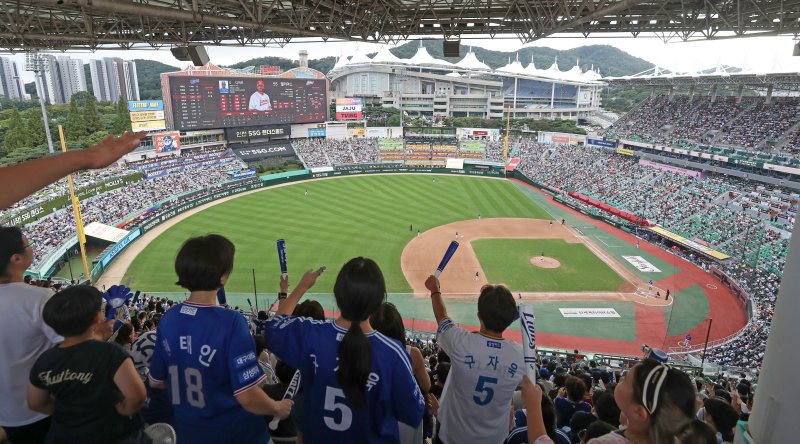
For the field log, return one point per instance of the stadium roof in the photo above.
(65, 24)
(470, 61)
(468, 66)
(423, 58)
(514, 67)
(385, 56)
(779, 81)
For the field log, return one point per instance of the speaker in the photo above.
(451, 48)
(195, 53)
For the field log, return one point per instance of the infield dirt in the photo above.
(464, 276)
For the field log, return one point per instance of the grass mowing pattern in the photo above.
(689, 308)
(338, 220)
(508, 261)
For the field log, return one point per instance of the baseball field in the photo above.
(573, 273)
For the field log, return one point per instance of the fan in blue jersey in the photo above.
(260, 323)
(357, 382)
(485, 368)
(205, 357)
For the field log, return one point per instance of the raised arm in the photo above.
(22, 180)
(439, 310)
(286, 306)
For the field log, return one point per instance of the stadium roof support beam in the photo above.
(146, 10)
(40, 24)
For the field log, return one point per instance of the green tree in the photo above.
(15, 134)
(91, 119)
(75, 130)
(122, 118)
(34, 128)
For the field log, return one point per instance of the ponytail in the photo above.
(355, 363)
(360, 290)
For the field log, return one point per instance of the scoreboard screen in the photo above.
(219, 102)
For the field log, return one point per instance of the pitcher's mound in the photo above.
(545, 262)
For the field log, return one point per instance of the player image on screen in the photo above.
(197, 103)
(259, 100)
(169, 144)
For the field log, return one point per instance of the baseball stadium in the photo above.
(663, 232)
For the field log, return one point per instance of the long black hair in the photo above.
(388, 321)
(360, 290)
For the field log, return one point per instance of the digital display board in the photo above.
(219, 102)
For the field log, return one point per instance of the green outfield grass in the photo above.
(689, 308)
(339, 219)
(508, 261)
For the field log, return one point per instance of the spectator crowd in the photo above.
(112, 367)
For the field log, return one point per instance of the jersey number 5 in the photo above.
(482, 387)
(332, 404)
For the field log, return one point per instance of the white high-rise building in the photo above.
(63, 78)
(113, 78)
(11, 85)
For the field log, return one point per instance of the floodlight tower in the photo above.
(38, 64)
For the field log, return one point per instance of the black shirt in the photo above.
(81, 378)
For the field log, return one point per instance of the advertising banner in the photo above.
(167, 142)
(145, 105)
(150, 125)
(351, 115)
(144, 116)
(34, 212)
(601, 143)
(105, 232)
(589, 312)
(626, 152)
(670, 168)
(316, 132)
(642, 264)
(264, 151)
(247, 133)
(349, 101)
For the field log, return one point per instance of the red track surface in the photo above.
(651, 328)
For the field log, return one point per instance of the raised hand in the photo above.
(310, 278)
(111, 149)
(432, 283)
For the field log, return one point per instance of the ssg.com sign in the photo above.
(264, 151)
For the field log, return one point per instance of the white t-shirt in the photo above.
(259, 102)
(476, 399)
(23, 337)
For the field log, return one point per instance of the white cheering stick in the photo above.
(451, 249)
(526, 321)
(290, 392)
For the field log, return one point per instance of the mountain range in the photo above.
(609, 60)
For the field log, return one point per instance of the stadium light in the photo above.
(38, 64)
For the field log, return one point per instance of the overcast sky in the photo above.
(755, 53)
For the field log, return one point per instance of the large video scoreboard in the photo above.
(219, 102)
